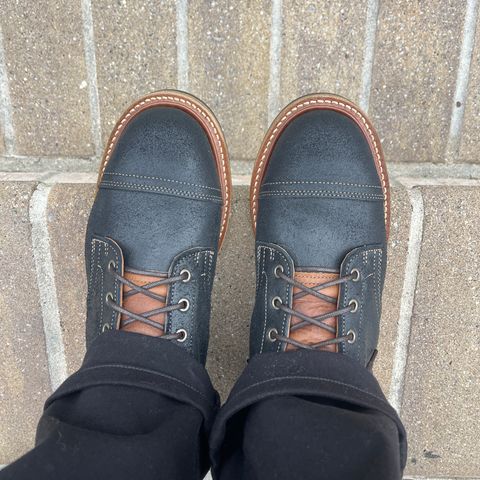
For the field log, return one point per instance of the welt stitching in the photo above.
(306, 377)
(195, 107)
(154, 188)
(285, 117)
(147, 177)
(344, 184)
(320, 193)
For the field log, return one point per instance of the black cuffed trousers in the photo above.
(142, 408)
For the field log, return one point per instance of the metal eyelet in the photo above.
(271, 335)
(111, 265)
(186, 304)
(108, 297)
(355, 305)
(352, 335)
(277, 270)
(106, 327)
(276, 305)
(184, 334)
(188, 275)
(355, 272)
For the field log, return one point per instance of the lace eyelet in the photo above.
(188, 275)
(276, 302)
(355, 272)
(105, 327)
(355, 305)
(184, 334)
(277, 270)
(108, 298)
(352, 335)
(186, 304)
(112, 265)
(271, 335)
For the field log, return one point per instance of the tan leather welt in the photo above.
(313, 307)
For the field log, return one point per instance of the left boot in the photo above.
(320, 206)
(158, 220)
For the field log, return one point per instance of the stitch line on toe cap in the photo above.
(304, 182)
(147, 177)
(301, 106)
(153, 188)
(320, 193)
(176, 99)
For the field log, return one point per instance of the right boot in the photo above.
(320, 205)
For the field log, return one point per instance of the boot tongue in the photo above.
(140, 303)
(314, 307)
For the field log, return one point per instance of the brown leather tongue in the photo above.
(140, 303)
(314, 307)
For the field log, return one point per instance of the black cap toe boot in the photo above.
(321, 209)
(159, 217)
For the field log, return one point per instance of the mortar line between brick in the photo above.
(5, 102)
(182, 44)
(91, 66)
(368, 52)
(46, 285)
(275, 60)
(408, 297)
(461, 85)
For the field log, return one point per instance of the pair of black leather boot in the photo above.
(320, 211)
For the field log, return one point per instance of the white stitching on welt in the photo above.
(204, 114)
(282, 120)
(161, 178)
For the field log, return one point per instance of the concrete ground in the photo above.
(428, 364)
(69, 69)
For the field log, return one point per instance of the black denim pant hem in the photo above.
(141, 407)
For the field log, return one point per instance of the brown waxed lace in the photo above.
(145, 290)
(307, 320)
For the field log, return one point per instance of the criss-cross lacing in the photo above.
(319, 321)
(144, 317)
